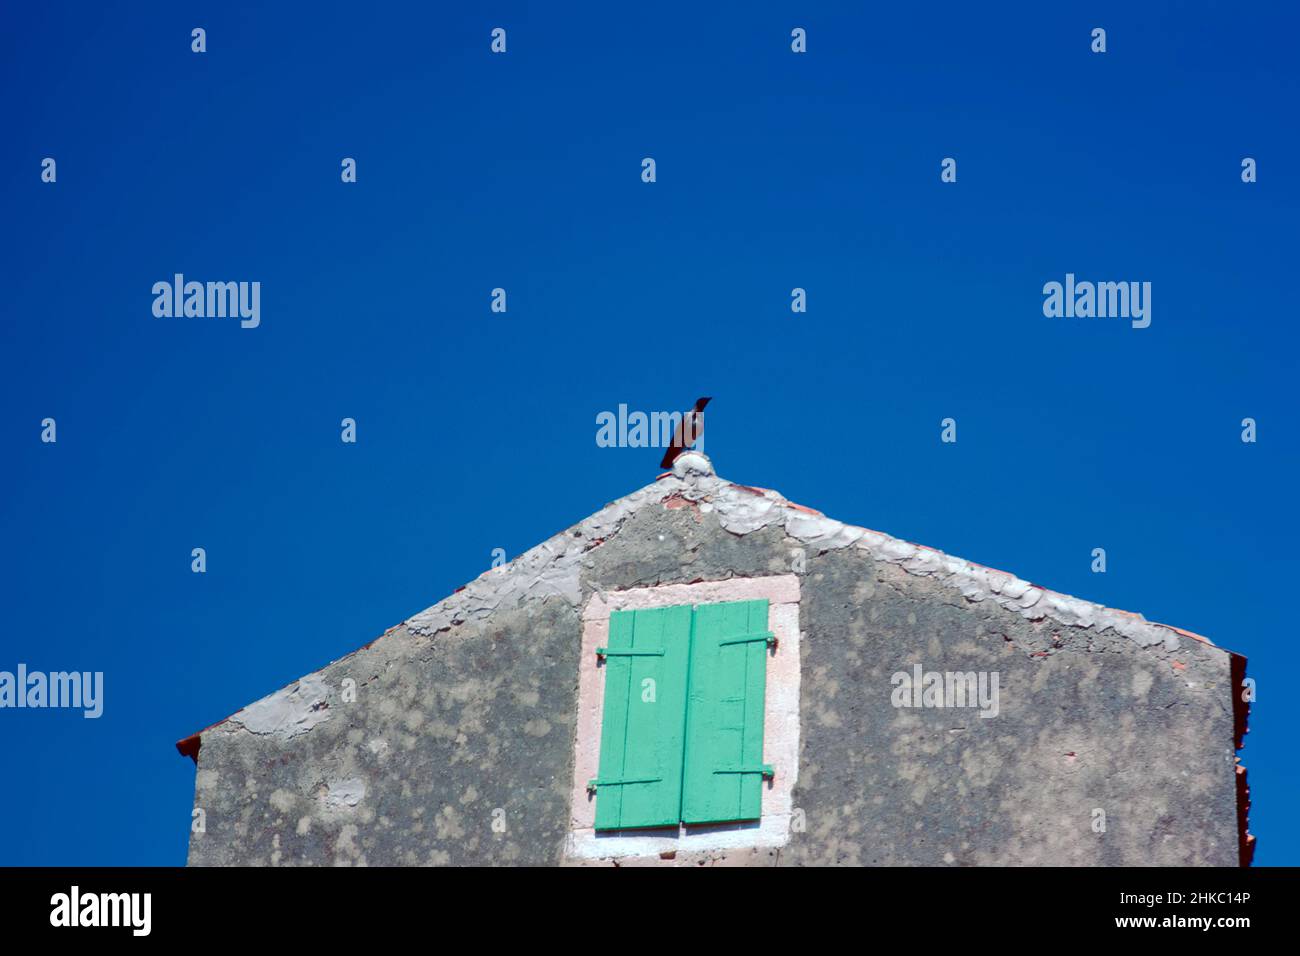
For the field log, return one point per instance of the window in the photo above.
(676, 843)
(681, 738)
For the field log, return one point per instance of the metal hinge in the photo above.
(766, 636)
(764, 768)
(593, 784)
(606, 652)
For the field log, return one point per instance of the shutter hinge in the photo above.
(593, 784)
(606, 652)
(764, 768)
(765, 636)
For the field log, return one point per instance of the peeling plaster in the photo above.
(289, 712)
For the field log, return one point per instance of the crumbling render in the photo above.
(289, 713)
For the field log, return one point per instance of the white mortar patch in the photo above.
(342, 794)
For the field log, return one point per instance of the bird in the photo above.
(689, 429)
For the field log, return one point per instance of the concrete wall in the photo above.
(458, 747)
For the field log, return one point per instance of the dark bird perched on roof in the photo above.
(689, 429)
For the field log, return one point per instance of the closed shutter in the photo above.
(724, 770)
(642, 728)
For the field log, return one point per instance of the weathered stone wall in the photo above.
(471, 711)
(442, 732)
(1086, 722)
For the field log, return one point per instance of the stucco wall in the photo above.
(441, 734)
(1094, 724)
(459, 745)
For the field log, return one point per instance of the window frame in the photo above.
(781, 723)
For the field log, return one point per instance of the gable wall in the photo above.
(451, 725)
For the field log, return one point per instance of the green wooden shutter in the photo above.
(724, 722)
(642, 732)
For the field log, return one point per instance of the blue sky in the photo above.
(476, 430)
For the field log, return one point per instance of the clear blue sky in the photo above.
(477, 430)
